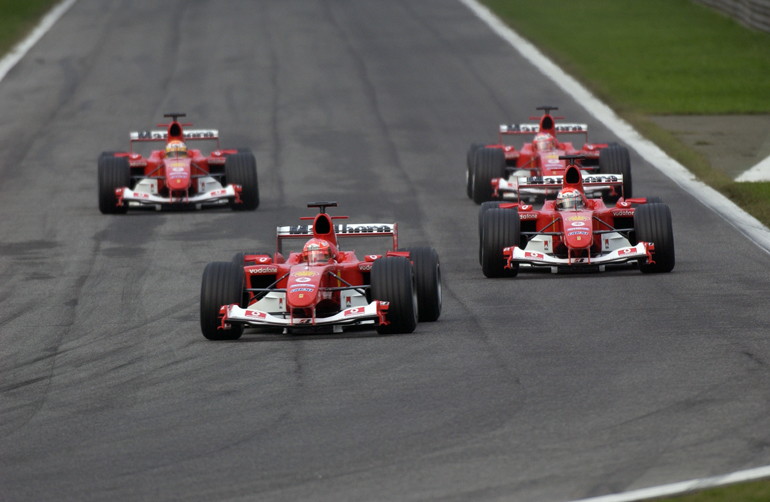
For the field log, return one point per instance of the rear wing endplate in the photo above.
(341, 230)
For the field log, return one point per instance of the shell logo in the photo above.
(577, 218)
(305, 273)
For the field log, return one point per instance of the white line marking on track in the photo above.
(683, 487)
(21, 49)
(721, 205)
(760, 172)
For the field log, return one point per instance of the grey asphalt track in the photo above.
(543, 388)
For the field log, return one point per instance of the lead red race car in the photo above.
(493, 169)
(322, 288)
(177, 177)
(574, 233)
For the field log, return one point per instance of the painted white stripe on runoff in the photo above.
(18, 52)
(737, 217)
(760, 172)
(683, 487)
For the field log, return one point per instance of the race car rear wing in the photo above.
(557, 181)
(594, 182)
(563, 128)
(189, 135)
(341, 230)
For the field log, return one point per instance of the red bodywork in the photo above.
(315, 291)
(176, 177)
(576, 234)
(546, 163)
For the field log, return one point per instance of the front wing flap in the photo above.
(126, 195)
(516, 254)
(375, 311)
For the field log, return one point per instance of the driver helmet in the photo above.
(175, 149)
(316, 251)
(569, 198)
(544, 142)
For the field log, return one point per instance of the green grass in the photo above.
(657, 57)
(17, 18)
(758, 491)
(652, 56)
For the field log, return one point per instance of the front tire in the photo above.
(114, 173)
(489, 165)
(393, 281)
(223, 284)
(241, 169)
(483, 208)
(652, 223)
(501, 230)
(427, 272)
(469, 159)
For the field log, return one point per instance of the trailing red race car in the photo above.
(575, 233)
(322, 288)
(493, 169)
(176, 176)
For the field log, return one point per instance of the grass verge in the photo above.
(657, 57)
(758, 491)
(18, 18)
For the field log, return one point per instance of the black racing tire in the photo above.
(105, 155)
(652, 223)
(393, 281)
(241, 169)
(469, 158)
(502, 229)
(427, 272)
(489, 164)
(615, 159)
(654, 200)
(483, 208)
(223, 284)
(114, 172)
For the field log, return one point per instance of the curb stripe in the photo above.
(21, 49)
(683, 486)
(746, 224)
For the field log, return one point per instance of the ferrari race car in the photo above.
(322, 288)
(493, 170)
(575, 233)
(176, 176)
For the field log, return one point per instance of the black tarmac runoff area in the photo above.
(538, 388)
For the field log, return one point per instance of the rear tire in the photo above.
(241, 169)
(114, 172)
(427, 272)
(615, 159)
(485, 206)
(393, 281)
(469, 158)
(652, 223)
(223, 284)
(489, 165)
(501, 230)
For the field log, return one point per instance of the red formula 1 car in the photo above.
(322, 288)
(176, 176)
(575, 233)
(493, 169)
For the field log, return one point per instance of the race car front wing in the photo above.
(516, 254)
(375, 311)
(126, 195)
